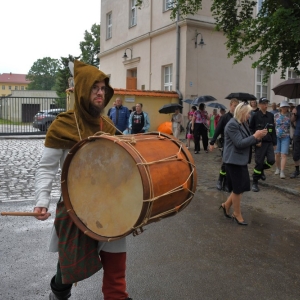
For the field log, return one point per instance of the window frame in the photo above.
(291, 74)
(167, 5)
(259, 86)
(109, 25)
(168, 85)
(132, 14)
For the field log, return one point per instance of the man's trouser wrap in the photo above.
(265, 151)
(114, 283)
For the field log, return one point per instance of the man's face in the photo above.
(292, 106)
(97, 98)
(232, 107)
(138, 107)
(118, 102)
(263, 106)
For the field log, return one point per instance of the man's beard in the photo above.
(95, 111)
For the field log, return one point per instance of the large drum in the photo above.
(114, 185)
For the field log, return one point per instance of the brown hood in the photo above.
(64, 132)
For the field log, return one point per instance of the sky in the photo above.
(34, 29)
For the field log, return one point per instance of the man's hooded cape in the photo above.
(78, 254)
(63, 132)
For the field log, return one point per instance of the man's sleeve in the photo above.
(252, 124)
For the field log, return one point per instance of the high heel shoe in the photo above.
(240, 223)
(224, 211)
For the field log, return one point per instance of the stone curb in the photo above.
(281, 188)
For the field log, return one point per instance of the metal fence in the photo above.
(17, 113)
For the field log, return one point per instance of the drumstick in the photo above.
(22, 214)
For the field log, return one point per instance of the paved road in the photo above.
(199, 254)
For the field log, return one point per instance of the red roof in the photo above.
(146, 93)
(13, 78)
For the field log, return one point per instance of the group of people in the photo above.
(126, 122)
(247, 126)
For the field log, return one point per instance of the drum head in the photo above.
(105, 188)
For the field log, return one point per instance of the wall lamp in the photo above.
(125, 55)
(201, 43)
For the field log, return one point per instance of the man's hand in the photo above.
(43, 211)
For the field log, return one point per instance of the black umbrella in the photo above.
(189, 101)
(241, 96)
(216, 105)
(169, 108)
(289, 88)
(202, 99)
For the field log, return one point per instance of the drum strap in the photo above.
(77, 126)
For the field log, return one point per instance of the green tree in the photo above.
(273, 33)
(42, 74)
(90, 47)
(63, 75)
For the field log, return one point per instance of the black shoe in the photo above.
(295, 174)
(255, 187)
(224, 211)
(226, 188)
(219, 184)
(240, 223)
(263, 176)
(59, 294)
(52, 296)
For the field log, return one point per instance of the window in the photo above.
(259, 4)
(22, 88)
(168, 4)
(261, 88)
(3, 87)
(292, 74)
(132, 13)
(16, 87)
(167, 78)
(109, 26)
(9, 87)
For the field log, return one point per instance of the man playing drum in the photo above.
(79, 255)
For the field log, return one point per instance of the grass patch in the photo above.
(8, 122)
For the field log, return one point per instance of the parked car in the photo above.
(43, 119)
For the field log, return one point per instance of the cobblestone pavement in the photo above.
(19, 159)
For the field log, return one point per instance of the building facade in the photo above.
(12, 82)
(144, 49)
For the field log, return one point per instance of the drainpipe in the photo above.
(178, 57)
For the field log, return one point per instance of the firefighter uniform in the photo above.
(264, 151)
